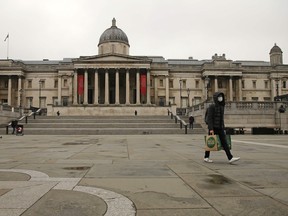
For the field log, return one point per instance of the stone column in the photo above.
(117, 86)
(19, 90)
(148, 87)
(230, 89)
(167, 91)
(85, 102)
(9, 91)
(96, 92)
(273, 89)
(240, 89)
(280, 86)
(216, 84)
(106, 87)
(75, 89)
(155, 90)
(127, 87)
(138, 87)
(59, 90)
(204, 90)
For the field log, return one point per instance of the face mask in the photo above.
(220, 99)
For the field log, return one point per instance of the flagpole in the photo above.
(7, 38)
(8, 48)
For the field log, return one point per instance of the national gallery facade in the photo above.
(113, 78)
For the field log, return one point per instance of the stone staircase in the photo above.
(100, 125)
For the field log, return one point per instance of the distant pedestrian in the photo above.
(191, 122)
(135, 112)
(14, 124)
(58, 113)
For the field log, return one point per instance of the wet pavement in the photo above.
(141, 175)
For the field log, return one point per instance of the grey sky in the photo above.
(57, 29)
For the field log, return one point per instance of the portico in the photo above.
(111, 86)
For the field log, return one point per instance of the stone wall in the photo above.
(247, 114)
(105, 110)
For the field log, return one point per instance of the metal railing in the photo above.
(178, 119)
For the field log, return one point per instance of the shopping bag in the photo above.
(213, 143)
(229, 142)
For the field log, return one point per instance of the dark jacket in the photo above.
(191, 119)
(216, 113)
(14, 123)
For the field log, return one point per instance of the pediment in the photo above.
(109, 58)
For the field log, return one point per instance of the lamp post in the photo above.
(180, 82)
(207, 80)
(188, 93)
(40, 85)
(20, 101)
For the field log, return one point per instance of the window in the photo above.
(113, 48)
(197, 84)
(254, 98)
(171, 84)
(65, 101)
(161, 83)
(196, 100)
(42, 84)
(254, 84)
(243, 84)
(55, 83)
(42, 102)
(65, 83)
(172, 100)
(284, 84)
(184, 84)
(55, 101)
(266, 84)
(29, 101)
(267, 99)
(29, 83)
(220, 84)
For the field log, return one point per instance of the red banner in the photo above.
(80, 84)
(143, 84)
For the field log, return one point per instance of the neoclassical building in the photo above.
(113, 78)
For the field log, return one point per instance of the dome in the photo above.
(113, 34)
(275, 49)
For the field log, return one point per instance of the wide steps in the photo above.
(106, 125)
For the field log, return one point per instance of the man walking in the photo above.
(216, 126)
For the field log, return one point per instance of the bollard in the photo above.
(34, 115)
(171, 115)
(180, 124)
(7, 129)
(26, 119)
(175, 119)
(186, 129)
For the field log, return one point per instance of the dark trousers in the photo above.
(222, 137)
(191, 125)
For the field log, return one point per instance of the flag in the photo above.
(6, 37)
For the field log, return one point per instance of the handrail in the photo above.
(22, 117)
(177, 118)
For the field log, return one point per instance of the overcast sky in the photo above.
(57, 29)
